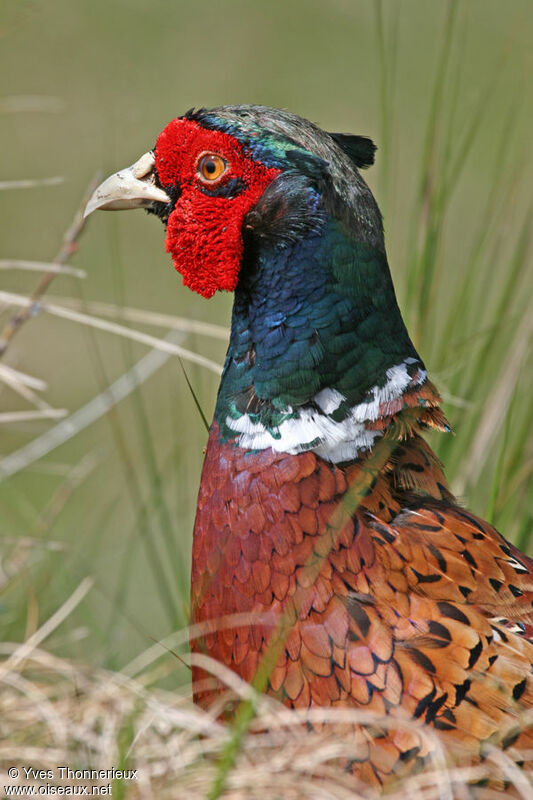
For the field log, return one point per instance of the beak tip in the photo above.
(97, 200)
(132, 187)
(89, 208)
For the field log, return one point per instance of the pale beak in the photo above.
(133, 187)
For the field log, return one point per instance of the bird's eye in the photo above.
(211, 167)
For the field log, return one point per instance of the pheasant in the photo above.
(326, 533)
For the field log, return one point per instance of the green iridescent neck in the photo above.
(316, 333)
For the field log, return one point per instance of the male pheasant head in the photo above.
(266, 204)
(233, 176)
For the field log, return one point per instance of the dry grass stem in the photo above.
(146, 317)
(115, 328)
(41, 266)
(15, 376)
(68, 247)
(31, 183)
(26, 648)
(11, 378)
(30, 416)
(89, 413)
(495, 406)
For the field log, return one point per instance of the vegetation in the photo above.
(102, 437)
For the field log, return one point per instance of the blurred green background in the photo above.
(442, 87)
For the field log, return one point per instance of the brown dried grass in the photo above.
(54, 712)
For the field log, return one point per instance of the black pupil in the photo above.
(210, 167)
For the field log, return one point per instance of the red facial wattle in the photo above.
(204, 230)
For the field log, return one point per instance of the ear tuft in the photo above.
(360, 149)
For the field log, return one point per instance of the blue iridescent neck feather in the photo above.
(317, 349)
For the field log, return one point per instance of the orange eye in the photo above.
(211, 167)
